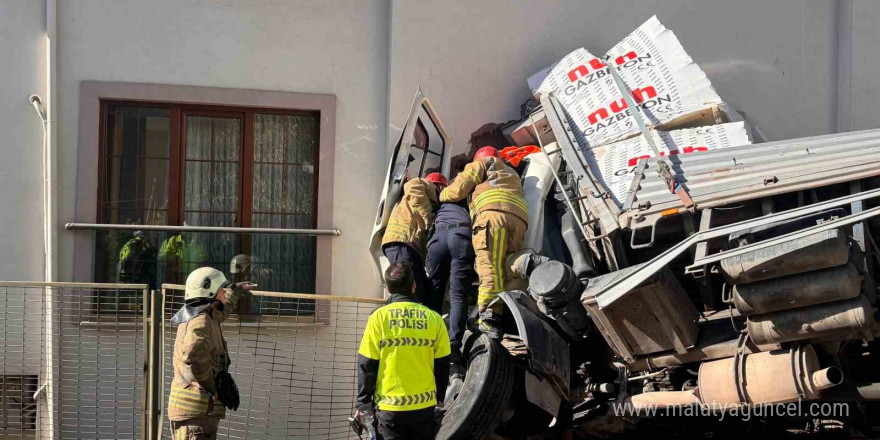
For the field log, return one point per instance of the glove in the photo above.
(227, 390)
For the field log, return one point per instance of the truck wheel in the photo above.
(487, 388)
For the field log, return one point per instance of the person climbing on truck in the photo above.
(450, 260)
(500, 218)
(406, 236)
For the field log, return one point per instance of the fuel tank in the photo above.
(800, 290)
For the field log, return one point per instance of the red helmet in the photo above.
(437, 178)
(486, 152)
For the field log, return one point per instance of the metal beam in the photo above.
(619, 287)
(833, 224)
(222, 229)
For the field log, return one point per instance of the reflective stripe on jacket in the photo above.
(492, 186)
(405, 338)
(193, 402)
(412, 216)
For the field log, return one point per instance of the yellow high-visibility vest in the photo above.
(405, 337)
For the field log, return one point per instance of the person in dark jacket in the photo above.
(403, 362)
(450, 257)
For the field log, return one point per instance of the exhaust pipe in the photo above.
(827, 378)
(768, 377)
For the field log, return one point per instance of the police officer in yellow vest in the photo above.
(403, 362)
(500, 218)
(202, 388)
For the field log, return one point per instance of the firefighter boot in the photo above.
(457, 370)
(490, 321)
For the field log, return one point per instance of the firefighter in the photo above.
(451, 258)
(137, 261)
(407, 232)
(500, 218)
(403, 362)
(202, 388)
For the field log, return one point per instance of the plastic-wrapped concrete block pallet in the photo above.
(676, 99)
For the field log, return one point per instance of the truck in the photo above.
(726, 281)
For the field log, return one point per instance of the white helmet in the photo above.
(204, 282)
(240, 263)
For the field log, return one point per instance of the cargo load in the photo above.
(615, 164)
(661, 77)
(675, 97)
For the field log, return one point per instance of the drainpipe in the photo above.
(48, 114)
(51, 113)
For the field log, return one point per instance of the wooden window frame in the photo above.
(78, 259)
(177, 155)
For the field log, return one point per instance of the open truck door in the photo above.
(423, 148)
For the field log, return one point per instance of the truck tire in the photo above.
(486, 393)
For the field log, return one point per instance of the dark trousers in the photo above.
(395, 252)
(406, 425)
(451, 257)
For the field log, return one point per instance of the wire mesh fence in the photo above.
(72, 360)
(295, 364)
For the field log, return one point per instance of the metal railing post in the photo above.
(145, 406)
(154, 359)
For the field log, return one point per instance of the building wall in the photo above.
(794, 68)
(336, 47)
(774, 61)
(862, 99)
(23, 51)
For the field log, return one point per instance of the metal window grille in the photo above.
(18, 410)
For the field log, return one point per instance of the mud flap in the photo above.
(547, 382)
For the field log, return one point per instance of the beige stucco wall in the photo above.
(775, 61)
(23, 55)
(333, 47)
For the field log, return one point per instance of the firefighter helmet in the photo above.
(437, 179)
(240, 263)
(204, 282)
(486, 152)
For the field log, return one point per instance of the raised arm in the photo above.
(420, 202)
(473, 174)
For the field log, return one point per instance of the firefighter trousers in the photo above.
(196, 429)
(497, 237)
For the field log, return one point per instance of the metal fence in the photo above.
(87, 361)
(72, 360)
(295, 364)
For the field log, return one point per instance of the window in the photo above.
(18, 410)
(426, 150)
(168, 164)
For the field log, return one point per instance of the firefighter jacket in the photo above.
(137, 262)
(199, 353)
(412, 216)
(491, 185)
(403, 361)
